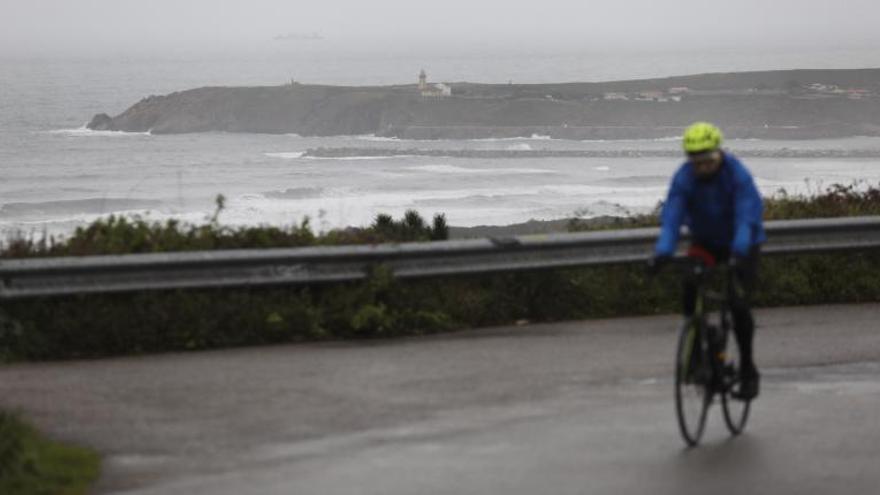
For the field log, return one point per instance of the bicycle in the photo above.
(706, 365)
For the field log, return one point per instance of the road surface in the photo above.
(570, 408)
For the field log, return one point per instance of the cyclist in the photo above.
(715, 196)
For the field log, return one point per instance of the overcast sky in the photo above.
(93, 26)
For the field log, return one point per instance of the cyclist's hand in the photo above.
(657, 263)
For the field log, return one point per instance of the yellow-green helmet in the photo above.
(701, 137)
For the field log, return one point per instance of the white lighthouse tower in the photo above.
(423, 81)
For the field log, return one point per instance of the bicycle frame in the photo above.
(702, 276)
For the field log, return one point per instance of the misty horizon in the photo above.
(162, 27)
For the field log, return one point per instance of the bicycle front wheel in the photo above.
(692, 383)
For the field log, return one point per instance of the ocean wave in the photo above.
(533, 137)
(86, 132)
(770, 187)
(75, 207)
(332, 208)
(633, 195)
(629, 140)
(549, 193)
(295, 193)
(357, 158)
(491, 140)
(452, 169)
(471, 206)
(636, 180)
(373, 137)
(287, 155)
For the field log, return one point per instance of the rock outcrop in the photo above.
(101, 122)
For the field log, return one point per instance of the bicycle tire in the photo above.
(736, 411)
(736, 423)
(687, 351)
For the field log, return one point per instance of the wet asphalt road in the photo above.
(571, 408)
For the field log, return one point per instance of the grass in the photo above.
(32, 464)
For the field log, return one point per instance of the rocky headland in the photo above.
(799, 104)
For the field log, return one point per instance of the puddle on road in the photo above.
(138, 460)
(843, 388)
(856, 379)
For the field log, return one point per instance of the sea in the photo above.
(55, 175)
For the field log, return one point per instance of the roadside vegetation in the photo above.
(31, 464)
(124, 235)
(118, 324)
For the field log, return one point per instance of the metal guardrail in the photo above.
(20, 278)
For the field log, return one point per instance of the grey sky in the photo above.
(99, 25)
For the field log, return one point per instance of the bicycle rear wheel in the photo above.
(692, 383)
(736, 411)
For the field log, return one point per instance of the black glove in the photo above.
(657, 263)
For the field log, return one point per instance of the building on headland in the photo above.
(658, 96)
(615, 96)
(651, 95)
(857, 94)
(825, 88)
(820, 90)
(432, 90)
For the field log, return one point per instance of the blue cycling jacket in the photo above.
(722, 213)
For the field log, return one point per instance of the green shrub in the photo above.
(123, 235)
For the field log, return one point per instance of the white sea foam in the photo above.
(472, 206)
(533, 137)
(86, 132)
(466, 207)
(357, 158)
(641, 140)
(344, 191)
(375, 138)
(519, 147)
(287, 155)
(452, 169)
(496, 140)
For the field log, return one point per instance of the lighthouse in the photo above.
(439, 90)
(423, 81)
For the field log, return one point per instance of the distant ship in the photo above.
(299, 37)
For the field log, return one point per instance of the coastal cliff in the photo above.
(776, 104)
